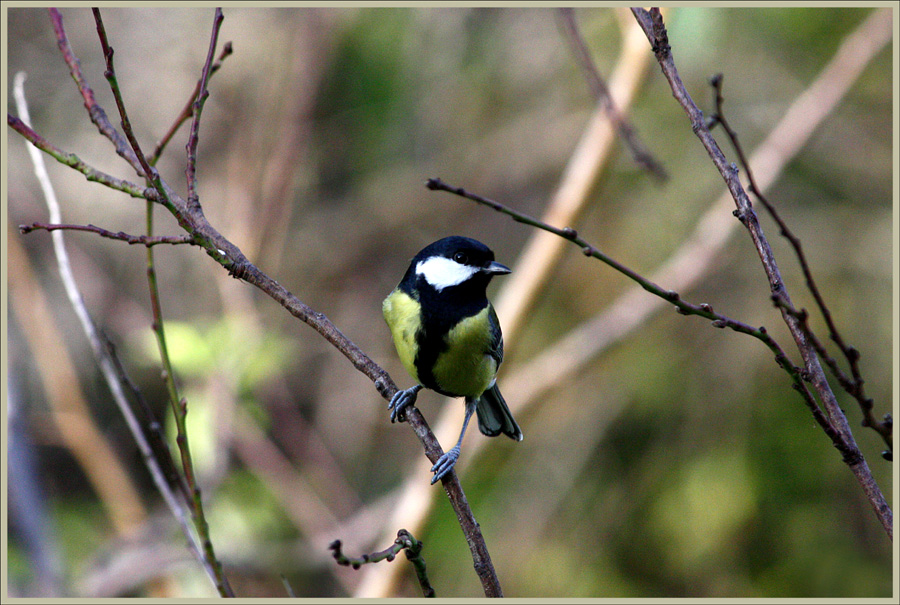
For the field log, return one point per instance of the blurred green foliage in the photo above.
(680, 463)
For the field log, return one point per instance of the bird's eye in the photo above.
(461, 258)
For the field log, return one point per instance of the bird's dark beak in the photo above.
(496, 268)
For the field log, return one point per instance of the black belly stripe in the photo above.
(440, 312)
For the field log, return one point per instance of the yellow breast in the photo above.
(401, 313)
(466, 368)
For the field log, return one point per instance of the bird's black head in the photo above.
(455, 261)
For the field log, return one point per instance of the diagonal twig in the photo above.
(73, 161)
(97, 114)
(685, 308)
(144, 240)
(188, 110)
(639, 151)
(197, 109)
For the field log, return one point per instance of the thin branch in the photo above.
(110, 74)
(95, 112)
(73, 161)
(144, 240)
(199, 102)
(639, 151)
(220, 249)
(188, 111)
(154, 429)
(654, 28)
(287, 587)
(573, 195)
(853, 385)
(405, 542)
(703, 310)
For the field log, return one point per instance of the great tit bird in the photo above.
(448, 337)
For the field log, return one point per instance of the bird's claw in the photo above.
(401, 400)
(444, 465)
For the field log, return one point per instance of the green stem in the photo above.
(73, 161)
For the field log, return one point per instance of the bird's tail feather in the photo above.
(494, 416)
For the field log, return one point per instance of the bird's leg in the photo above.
(446, 462)
(401, 400)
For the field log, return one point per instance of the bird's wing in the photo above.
(496, 350)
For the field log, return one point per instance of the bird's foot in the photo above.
(444, 464)
(401, 400)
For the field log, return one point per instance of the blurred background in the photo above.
(673, 461)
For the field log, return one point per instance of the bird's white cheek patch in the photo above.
(443, 272)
